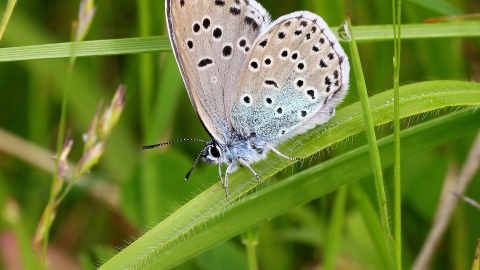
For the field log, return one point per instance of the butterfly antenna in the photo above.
(165, 143)
(194, 164)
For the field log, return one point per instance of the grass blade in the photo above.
(172, 242)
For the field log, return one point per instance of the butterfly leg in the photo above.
(220, 174)
(280, 153)
(229, 170)
(224, 181)
(245, 163)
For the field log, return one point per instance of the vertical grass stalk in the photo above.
(146, 64)
(250, 240)
(49, 213)
(372, 142)
(146, 79)
(334, 232)
(79, 31)
(396, 6)
(6, 16)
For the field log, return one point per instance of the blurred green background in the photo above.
(132, 190)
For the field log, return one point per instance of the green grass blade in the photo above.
(372, 142)
(87, 48)
(250, 240)
(307, 185)
(372, 221)
(441, 6)
(181, 235)
(334, 231)
(397, 197)
(368, 33)
(6, 16)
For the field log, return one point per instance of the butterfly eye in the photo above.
(214, 152)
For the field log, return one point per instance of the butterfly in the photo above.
(254, 83)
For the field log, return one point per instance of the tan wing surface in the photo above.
(211, 40)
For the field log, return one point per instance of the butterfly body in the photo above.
(254, 84)
(250, 150)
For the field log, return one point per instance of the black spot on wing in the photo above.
(263, 43)
(328, 81)
(206, 23)
(323, 64)
(205, 62)
(217, 33)
(299, 83)
(311, 93)
(250, 21)
(272, 83)
(235, 11)
(227, 51)
(196, 27)
(335, 74)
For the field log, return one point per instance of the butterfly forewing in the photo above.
(211, 40)
(293, 78)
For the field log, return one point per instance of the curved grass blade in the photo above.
(172, 241)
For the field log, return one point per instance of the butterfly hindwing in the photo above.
(211, 40)
(293, 78)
